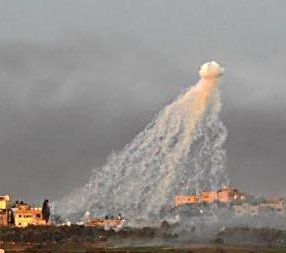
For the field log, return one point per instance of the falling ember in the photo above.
(180, 151)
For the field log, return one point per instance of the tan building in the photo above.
(26, 215)
(228, 194)
(225, 195)
(5, 202)
(246, 209)
(105, 223)
(5, 212)
(273, 205)
(209, 196)
(185, 199)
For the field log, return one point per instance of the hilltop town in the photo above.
(20, 214)
(239, 203)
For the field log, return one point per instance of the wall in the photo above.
(188, 199)
(246, 209)
(4, 217)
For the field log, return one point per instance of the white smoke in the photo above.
(179, 152)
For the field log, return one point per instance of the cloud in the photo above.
(66, 106)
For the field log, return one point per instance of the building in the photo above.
(260, 206)
(5, 211)
(105, 223)
(209, 197)
(246, 209)
(275, 203)
(5, 202)
(228, 194)
(185, 199)
(26, 215)
(224, 195)
(273, 206)
(20, 214)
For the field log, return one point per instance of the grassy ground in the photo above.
(78, 239)
(196, 249)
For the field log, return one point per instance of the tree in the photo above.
(46, 213)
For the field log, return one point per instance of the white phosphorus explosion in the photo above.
(180, 152)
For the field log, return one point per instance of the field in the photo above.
(79, 239)
(100, 248)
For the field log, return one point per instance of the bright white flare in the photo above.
(211, 70)
(180, 151)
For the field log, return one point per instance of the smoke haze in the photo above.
(181, 150)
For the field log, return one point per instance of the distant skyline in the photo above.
(79, 79)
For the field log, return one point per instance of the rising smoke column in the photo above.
(179, 152)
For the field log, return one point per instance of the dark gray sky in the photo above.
(79, 79)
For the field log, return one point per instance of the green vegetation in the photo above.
(80, 239)
(40, 234)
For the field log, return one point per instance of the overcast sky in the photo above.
(79, 79)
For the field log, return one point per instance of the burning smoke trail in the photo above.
(179, 152)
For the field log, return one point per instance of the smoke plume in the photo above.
(179, 152)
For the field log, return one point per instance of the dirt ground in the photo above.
(102, 247)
